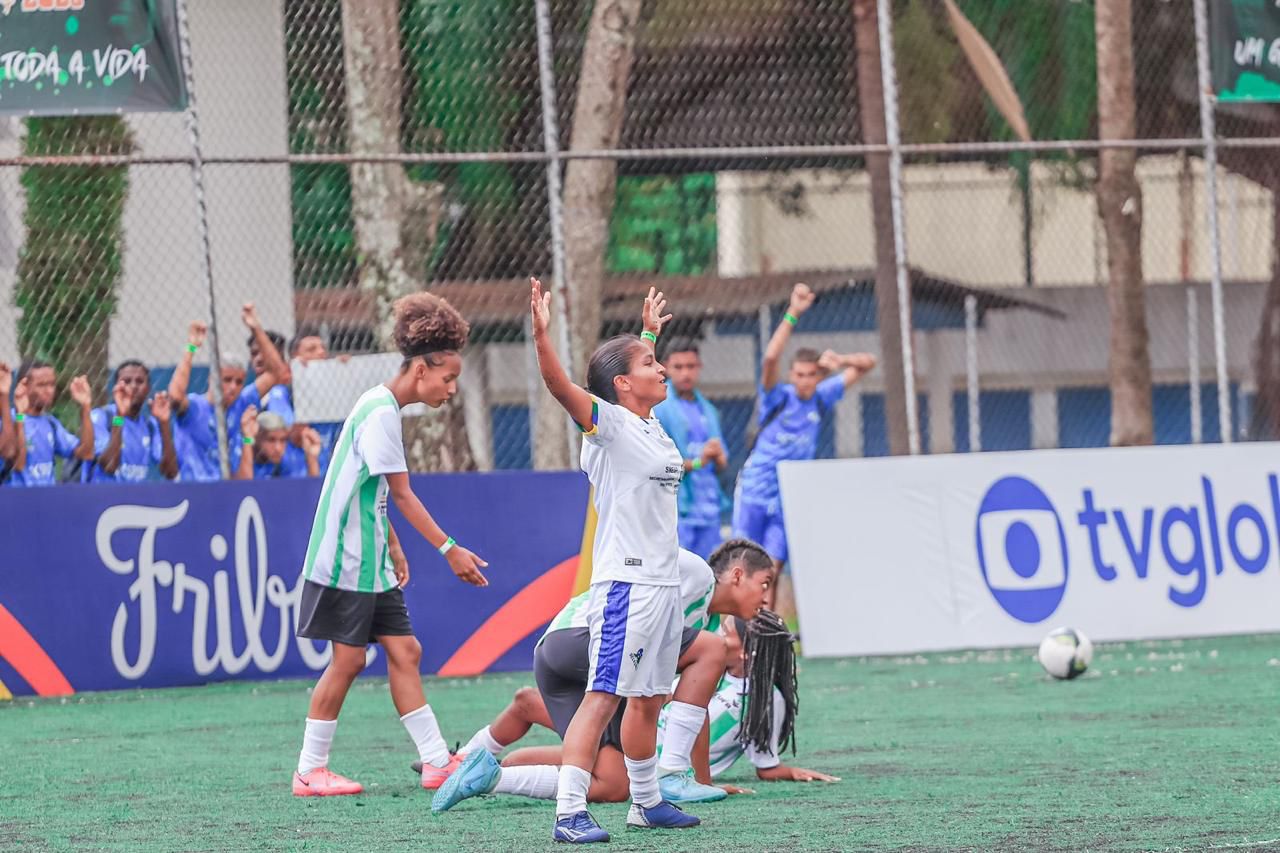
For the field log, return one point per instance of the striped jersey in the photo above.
(697, 582)
(726, 711)
(348, 545)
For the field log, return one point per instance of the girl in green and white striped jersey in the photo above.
(355, 568)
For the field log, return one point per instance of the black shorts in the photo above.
(561, 663)
(351, 618)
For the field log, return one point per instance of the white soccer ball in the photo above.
(1065, 653)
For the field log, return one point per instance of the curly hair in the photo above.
(427, 324)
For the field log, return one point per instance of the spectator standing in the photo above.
(35, 437)
(128, 439)
(306, 347)
(694, 425)
(267, 452)
(790, 417)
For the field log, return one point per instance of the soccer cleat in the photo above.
(683, 788)
(580, 828)
(662, 816)
(477, 775)
(433, 777)
(323, 782)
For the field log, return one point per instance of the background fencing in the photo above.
(413, 146)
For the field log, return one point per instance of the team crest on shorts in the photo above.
(636, 657)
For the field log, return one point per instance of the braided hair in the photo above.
(771, 663)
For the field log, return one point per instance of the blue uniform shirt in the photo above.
(791, 434)
(140, 447)
(195, 439)
(46, 438)
(292, 465)
(704, 509)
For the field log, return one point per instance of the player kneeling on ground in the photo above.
(734, 585)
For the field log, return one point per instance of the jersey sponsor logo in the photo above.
(636, 657)
(633, 562)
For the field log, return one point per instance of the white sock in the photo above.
(426, 734)
(571, 790)
(684, 724)
(483, 739)
(315, 745)
(538, 781)
(644, 781)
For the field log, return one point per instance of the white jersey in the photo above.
(635, 470)
(696, 584)
(348, 545)
(725, 712)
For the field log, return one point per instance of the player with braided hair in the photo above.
(355, 568)
(753, 712)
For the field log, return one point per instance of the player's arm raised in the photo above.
(801, 300)
(574, 398)
(465, 564)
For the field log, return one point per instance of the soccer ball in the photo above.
(1065, 653)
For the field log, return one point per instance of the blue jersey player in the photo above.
(789, 419)
(31, 438)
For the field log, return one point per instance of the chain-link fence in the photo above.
(721, 150)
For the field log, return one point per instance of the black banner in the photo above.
(79, 57)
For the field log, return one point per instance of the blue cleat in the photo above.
(683, 788)
(580, 828)
(478, 774)
(662, 816)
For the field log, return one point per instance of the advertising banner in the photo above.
(1245, 49)
(107, 587)
(78, 57)
(989, 550)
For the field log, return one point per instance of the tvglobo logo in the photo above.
(1024, 555)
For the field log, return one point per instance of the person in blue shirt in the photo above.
(131, 443)
(265, 357)
(196, 428)
(694, 425)
(32, 439)
(789, 420)
(268, 453)
(306, 347)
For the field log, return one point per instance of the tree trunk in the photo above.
(1120, 205)
(888, 311)
(395, 219)
(590, 184)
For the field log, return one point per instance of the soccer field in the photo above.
(1161, 746)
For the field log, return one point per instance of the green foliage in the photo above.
(928, 88)
(70, 263)
(664, 225)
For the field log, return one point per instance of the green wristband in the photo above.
(118, 420)
(447, 546)
(19, 418)
(192, 348)
(790, 318)
(649, 336)
(245, 440)
(695, 465)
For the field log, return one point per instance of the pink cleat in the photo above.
(323, 782)
(433, 777)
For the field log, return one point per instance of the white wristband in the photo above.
(447, 546)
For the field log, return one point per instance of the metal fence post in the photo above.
(202, 226)
(971, 371)
(1208, 138)
(1193, 365)
(893, 134)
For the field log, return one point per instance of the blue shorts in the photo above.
(757, 523)
(698, 537)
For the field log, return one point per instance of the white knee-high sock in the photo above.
(684, 723)
(425, 732)
(571, 790)
(315, 745)
(644, 781)
(538, 781)
(484, 739)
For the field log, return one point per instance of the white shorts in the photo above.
(635, 638)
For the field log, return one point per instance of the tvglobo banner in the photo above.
(78, 57)
(105, 587)
(995, 549)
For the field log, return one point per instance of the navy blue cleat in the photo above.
(580, 828)
(662, 816)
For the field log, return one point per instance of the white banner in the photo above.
(989, 550)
